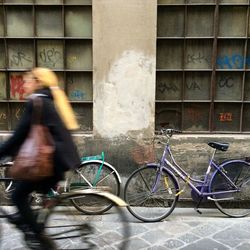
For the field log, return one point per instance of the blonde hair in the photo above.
(48, 78)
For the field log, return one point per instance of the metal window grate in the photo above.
(203, 62)
(47, 33)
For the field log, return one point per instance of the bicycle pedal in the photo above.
(86, 229)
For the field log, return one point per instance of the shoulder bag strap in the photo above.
(37, 110)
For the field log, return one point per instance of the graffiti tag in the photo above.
(170, 86)
(234, 61)
(198, 58)
(226, 82)
(77, 94)
(226, 117)
(50, 57)
(18, 59)
(16, 86)
(193, 86)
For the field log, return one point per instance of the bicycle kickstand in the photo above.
(197, 206)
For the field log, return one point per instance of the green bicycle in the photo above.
(93, 173)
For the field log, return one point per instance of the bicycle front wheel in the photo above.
(151, 195)
(71, 230)
(235, 203)
(94, 175)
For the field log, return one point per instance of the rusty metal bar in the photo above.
(214, 56)
(244, 73)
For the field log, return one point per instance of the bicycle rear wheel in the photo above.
(71, 230)
(144, 203)
(93, 175)
(233, 204)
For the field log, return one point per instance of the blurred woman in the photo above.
(58, 116)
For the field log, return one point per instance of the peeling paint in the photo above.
(127, 97)
(124, 65)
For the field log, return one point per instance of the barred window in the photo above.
(56, 34)
(203, 62)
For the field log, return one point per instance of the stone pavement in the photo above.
(183, 229)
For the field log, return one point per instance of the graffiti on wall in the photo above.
(193, 85)
(77, 94)
(16, 87)
(226, 117)
(19, 59)
(74, 92)
(18, 113)
(234, 61)
(50, 57)
(167, 86)
(197, 58)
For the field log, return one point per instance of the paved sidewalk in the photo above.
(183, 229)
(186, 229)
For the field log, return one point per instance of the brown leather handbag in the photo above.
(34, 160)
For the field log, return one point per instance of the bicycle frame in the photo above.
(84, 160)
(97, 159)
(174, 167)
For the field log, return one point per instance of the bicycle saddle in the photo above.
(219, 146)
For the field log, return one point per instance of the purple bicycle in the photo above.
(152, 191)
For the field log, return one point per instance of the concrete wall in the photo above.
(191, 152)
(124, 50)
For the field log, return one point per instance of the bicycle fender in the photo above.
(115, 199)
(104, 163)
(232, 161)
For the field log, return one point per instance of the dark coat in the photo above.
(66, 155)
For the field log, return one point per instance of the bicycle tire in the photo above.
(111, 231)
(145, 205)
(236, 204)
(70, 230)
(108, 180)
